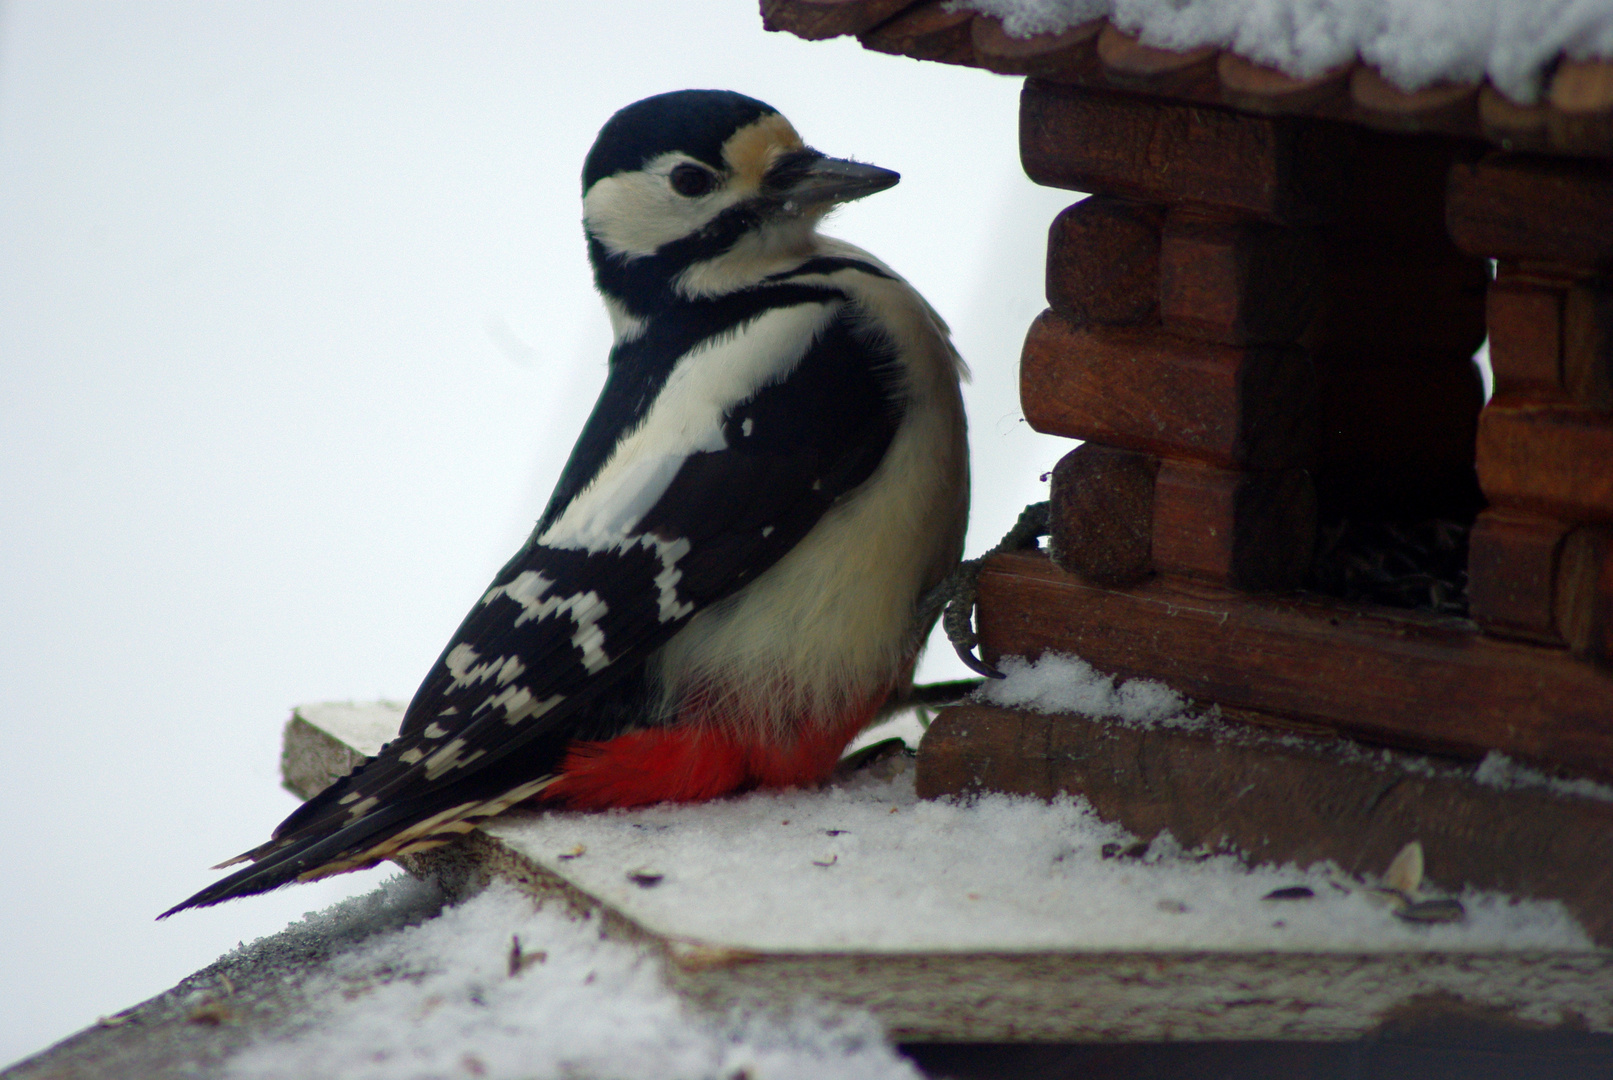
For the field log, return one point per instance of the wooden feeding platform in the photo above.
(1291, 499)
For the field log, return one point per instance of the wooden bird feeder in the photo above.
(1291, 499)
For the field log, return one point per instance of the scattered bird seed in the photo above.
(1125, 851)
(1290, 892)
(645, 879)
(832, 860)
(1443, 910)
(520, 961)
(1405, 873)
(574, 852)
(1386, 897)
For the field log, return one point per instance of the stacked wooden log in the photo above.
(1540, 566)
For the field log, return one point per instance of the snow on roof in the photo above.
(1414, 43)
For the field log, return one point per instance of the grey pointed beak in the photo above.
(815, 180)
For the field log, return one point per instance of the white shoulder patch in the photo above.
(686, 418)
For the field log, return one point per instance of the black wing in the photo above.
(559, 626)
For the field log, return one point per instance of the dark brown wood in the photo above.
(1511, 206)
(1581, 116)
(1584, 600)
(1526, 337)
(1250, 530)
(1285, 800)
(1069, 52)
(1103, 261)
(1553, 458)
(1102, 519)
(1512, 574)
(1511, 125)
(1237, 281)
(819, 19)
(1393, 677)
(1262, 89)
(1113, 143)
(1127, 62)
(927, 31)
(1144, 389)
(1588, 345)
(1447, 108)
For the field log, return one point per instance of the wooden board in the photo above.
(1236, 281)
(1044, 995)
(1102, 515)
(1399, 678)
(818, 19)
(1148, 390)
(1103, 261)
(1512, 206)
(1251, 530)
(1512, 574)
(1526, 337)
(1280, 797)
(1552, 458)
(1097, 141)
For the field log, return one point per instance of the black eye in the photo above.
(691, 181)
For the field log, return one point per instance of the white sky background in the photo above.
(296, 331)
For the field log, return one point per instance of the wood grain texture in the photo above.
(815, 20)
(1103, 261)
(1512, 574)
(1511, 206)
(1237, 281)
(1394, 677)
(1128, 63)
(1581, 117)
(1069, 52)
(1588, 344)
(1257, 88)
(1296, 800)
(1584, 596)
(1102, 518)
(1120, 144)
(1144, 389)
(1446, 108)
(927, 31)
(1526, 337)
(1509, 124)
(1551, 458)
(1250, 530)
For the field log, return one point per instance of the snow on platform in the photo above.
(1010, 918)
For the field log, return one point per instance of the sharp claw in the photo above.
(976, 665)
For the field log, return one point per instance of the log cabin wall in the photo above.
(1261, 324)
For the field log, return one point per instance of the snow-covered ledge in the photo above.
(1003, 919)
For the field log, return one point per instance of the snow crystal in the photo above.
(1499, 771)
(1056, 683)
(440, 999)
(1415, 43)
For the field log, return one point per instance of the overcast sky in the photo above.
(296, 330)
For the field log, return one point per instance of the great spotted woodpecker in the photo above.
(728, 581)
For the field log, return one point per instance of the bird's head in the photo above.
(679, 182)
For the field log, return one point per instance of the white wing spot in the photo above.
(348, 799)
(443, 759)
(767, 530)
(745, 428)
(434, 730)
(670, 551)
(358, 810)
(462, 665)
(529, 709)
(411, 757)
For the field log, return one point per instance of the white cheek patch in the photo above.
(637, 213)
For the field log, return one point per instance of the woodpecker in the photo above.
(730, 577)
